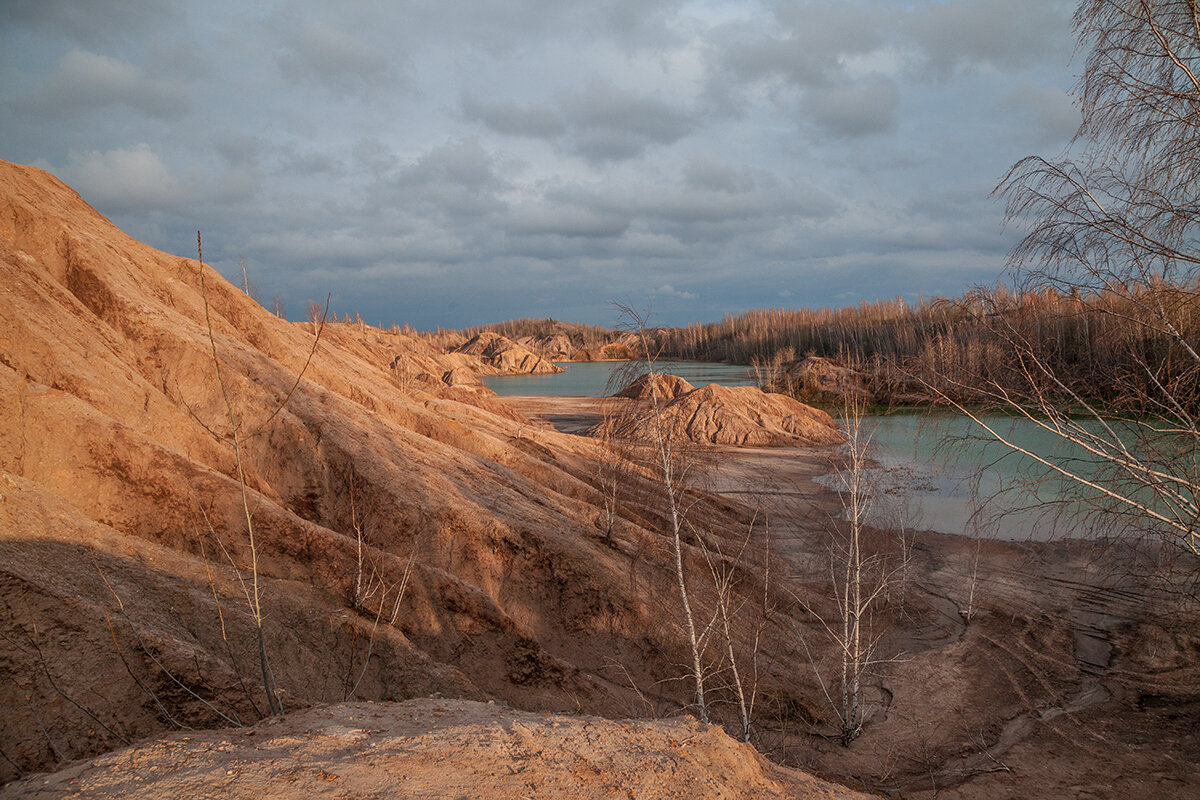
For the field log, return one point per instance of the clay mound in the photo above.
(437, 748)
(583, 354)
(820, 380)
(460, 376)
(616, 351)
(122, 519)
(667, 386)
(557, 347)
(736, 415)
(506, 356)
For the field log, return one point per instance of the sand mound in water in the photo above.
(667, 386)
(615, 351)
(821, 380)
(507, 356)
(736, 415)
(438, 748)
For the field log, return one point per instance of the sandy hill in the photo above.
(438, 748)
(555, 347)
(505, 356)
(731, 415)
(666, 386)
(822, 380)
(122, 517)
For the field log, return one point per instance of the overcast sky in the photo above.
(455, 162)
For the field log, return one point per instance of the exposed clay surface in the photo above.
(821, 380)
(1070, 678)
(737, 415)
(433, 748)
(667, 386)
(506, 356)
(125, 555)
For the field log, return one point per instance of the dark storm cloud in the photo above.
(452, 162)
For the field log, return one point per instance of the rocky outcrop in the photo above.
(460, 376)
(506, 356)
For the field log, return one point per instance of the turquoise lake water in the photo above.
(943, 472)
(935, 471)
(597, 378)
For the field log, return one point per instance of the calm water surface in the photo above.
(935, 471)
(940, 472)
(593, 378)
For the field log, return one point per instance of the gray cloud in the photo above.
(806, 45)
(331, 57)
(453, 162)
(1053, 112)
(91, 22)
(125, 180)
(609, 123)
(569, 221)
(512, 119)
(670, 291)
(854, 109)
(708, 173)
(85, 80)
(1000, 35)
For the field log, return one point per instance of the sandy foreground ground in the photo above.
(1013, 669)
(434, 748)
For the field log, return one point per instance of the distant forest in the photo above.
(1108, 345)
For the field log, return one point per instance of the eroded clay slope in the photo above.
(122, 612)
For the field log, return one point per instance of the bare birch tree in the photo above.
(669, 465)
(860, 578)
(1116, 219)
(236, 439)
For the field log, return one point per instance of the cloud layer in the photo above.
(454, 163)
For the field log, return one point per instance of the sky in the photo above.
(457, 162)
